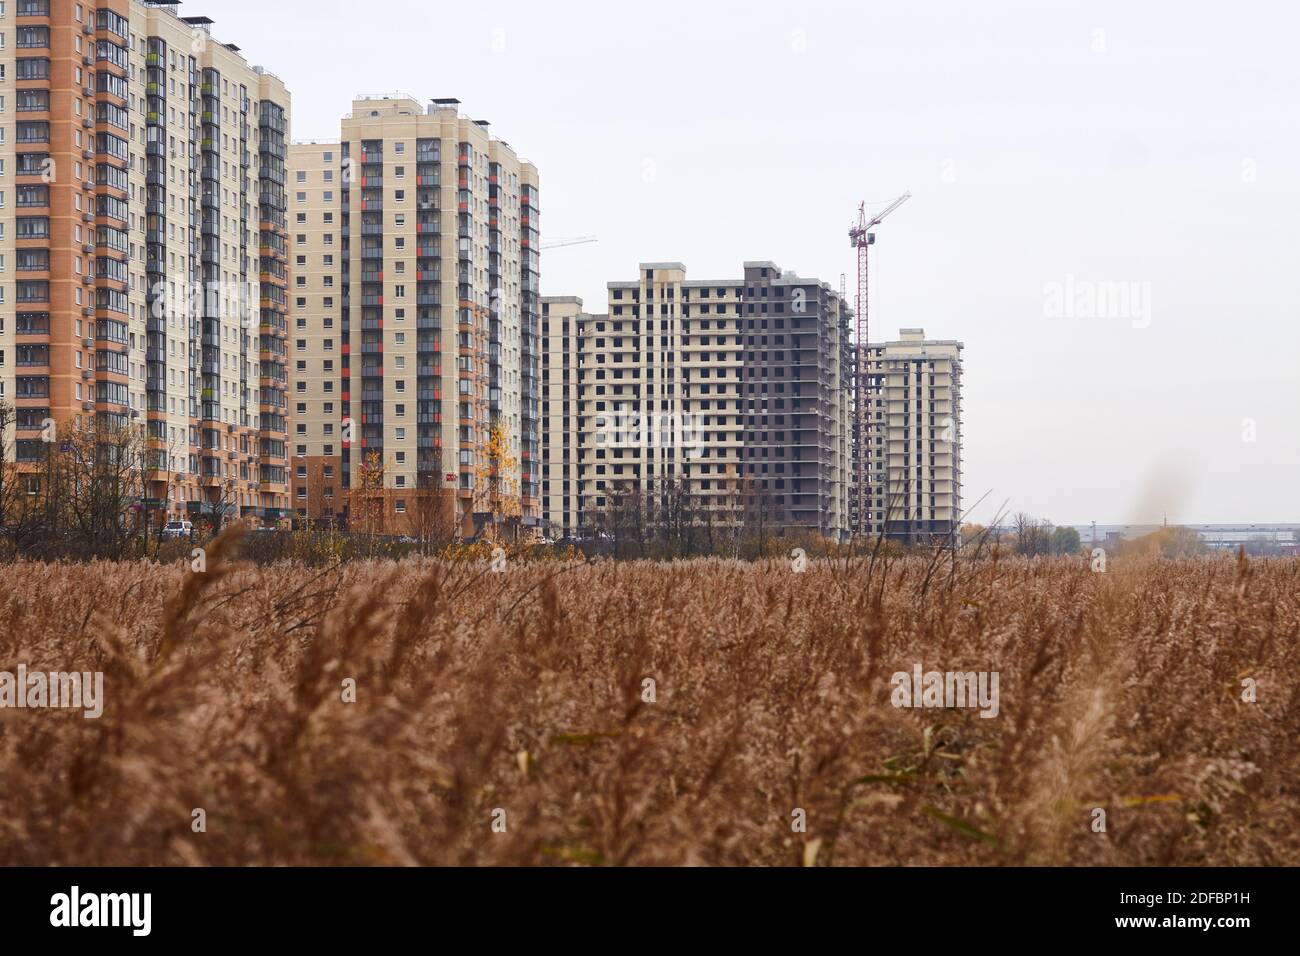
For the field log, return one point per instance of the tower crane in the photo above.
(862, 238)
(577, 241)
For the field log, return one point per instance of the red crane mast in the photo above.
(862, 238)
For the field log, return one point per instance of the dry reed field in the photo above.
(521, 698)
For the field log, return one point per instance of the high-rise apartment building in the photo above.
(317, 343)
(564, 329)
(143, 266)
(732, 395)
(415, 305)
(914, 426)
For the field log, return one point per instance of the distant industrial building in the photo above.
(1283, 539)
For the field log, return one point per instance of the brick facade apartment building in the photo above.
(143, 270)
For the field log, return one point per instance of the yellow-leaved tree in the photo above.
(496, 482)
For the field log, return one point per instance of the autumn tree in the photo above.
(8, 468)
(496, 481)
(367, 496)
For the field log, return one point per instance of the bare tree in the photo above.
(159, 453)
(432, 517)
(95, 477)
(13, 501)
(1032, 536)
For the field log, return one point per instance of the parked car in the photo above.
(178, 529)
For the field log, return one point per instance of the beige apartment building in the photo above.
(142, 249)
(914, 427)
(727, 398)
(564, 326)
(415, 351)
(316, 338)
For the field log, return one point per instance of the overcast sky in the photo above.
(1054, 151)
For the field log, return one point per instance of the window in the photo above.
(33, 68)
(33, 37)
(33, 132)
(33, 100)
